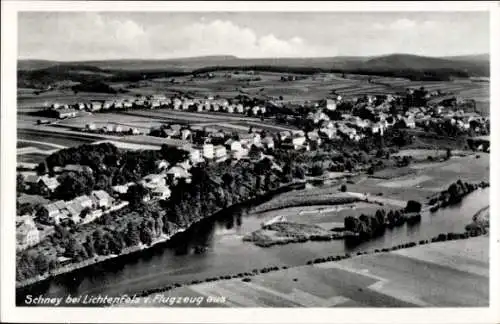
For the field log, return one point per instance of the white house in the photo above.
(161, 165)
(27, 235)
(240, 109)
(283, 135)
(177, 172)
(220, 151)
(101, 198)
(330, 104)
(152, 181)
(122, 189)
(233, 145)
(268, 142)
(208, 151)
(185, 134)
(255, 110)
(298, 142)
(161, 192)
(107, 105)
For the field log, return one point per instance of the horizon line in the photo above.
(250, 58)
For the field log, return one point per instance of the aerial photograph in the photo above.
(253, 159)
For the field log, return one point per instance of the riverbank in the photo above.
(158, 241)
(379, 278)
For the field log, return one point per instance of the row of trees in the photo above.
(454, 194)
(371, 226)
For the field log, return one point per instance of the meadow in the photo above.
(432, 275)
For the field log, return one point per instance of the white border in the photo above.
(10, 313)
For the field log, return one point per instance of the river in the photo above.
(176, 260)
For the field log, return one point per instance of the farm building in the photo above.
(208, 151)
(66, 113)
(101, 198)
(220, 151)
(152, 181)
(268, 142)
(122, 189)
(177, 172)
(95, 106)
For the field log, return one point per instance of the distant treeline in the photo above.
(42, 78)
(412, 74)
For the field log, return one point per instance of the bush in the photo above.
(413, 206)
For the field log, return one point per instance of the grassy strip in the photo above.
(246, 276)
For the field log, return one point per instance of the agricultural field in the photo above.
(428, 178)
(307, 197)
(444, 274)
(143, 124)
(31, 199)
(262, 84)
(326, 216)
(49, 137)
(31, 158)
(421, 154)
(27, 100)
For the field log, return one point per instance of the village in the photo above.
(325, 120)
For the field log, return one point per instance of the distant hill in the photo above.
(41, 73)
(477, 58)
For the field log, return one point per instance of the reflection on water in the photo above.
(214, 247)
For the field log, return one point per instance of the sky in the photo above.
(74, 36)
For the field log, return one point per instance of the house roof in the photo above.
(161, 189)
(100, 194)
(32, 179)
(219, 147)
(55, 206)
(152, 177)
(51, 183)
(82, 199)
(177, 170)
(246, 136)
(74, 208)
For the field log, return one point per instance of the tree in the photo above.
(19, 184)
(343, 188)
(136, 194)
(173, 155)
(72, 248)
(132, 237)
(413, 206)
(448, 153)
(146, 234)
(317, 170)
(86, 211)
(299, 172)
(74, 184)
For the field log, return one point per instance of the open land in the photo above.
(444, 274)
(399, 278)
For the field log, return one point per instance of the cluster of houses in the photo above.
(80, 210)
(155, 102)
(158, 184)
(40, 185)
(112, 129)
(425, 116)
